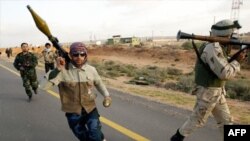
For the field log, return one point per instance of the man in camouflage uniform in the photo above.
(7, 51)
(49, 57)
(25, 62)
(211, 72)
(76, 84)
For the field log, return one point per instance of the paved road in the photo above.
(129, 118)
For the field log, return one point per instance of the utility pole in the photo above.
(235, 11)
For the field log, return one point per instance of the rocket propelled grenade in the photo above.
(40, 23)
(43, 27)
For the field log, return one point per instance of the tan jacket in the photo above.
(76, 88)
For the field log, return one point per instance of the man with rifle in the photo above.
(25, 62)
(212, 70)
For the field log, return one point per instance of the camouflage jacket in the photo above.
(213, 55)
(49, 56)
(25, 63)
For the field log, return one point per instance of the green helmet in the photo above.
(224, 28)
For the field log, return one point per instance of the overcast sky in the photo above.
(79, 20)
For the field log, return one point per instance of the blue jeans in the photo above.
(87, 126)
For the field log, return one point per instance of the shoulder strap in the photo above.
(197, 52)
(199, 56)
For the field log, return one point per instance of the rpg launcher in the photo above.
(223, 40)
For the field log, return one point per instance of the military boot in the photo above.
(177, 137)
(35, 91)
(30, 97)
(29, 94)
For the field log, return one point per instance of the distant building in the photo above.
(133, 41)
(116, 39)
(110, 41)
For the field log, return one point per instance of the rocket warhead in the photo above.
(40, 23)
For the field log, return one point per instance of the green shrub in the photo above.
(112, 74)
(174, 71)
(231, 94)
(151, 74)
(170, 85)
(129, 70)
(238, 89)
(185, 83)
(113, 69)
(188, 45)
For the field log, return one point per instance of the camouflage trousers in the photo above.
(49, 66)
(29, 82)
(209, 101)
